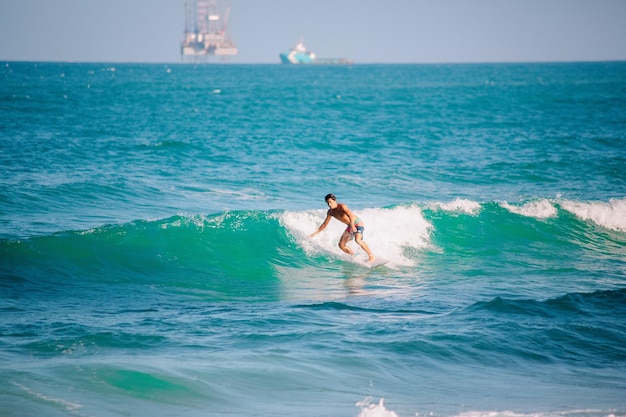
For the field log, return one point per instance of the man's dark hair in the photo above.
(330, 197)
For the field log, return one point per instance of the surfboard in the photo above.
(377, 262)
(362, 262)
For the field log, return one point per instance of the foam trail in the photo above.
(611, 215)
(66, 405)
(388, 232)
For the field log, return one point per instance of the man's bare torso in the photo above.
(340, 214)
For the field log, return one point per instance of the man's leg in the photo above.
(345, 237)
(359, 241)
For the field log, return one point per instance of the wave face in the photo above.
(226, 253)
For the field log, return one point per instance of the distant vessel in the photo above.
(300, 55)
(206, 31)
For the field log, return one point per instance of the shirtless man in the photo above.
(355, 228)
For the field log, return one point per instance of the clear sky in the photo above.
(366, 31)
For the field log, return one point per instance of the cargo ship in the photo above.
(300, 55)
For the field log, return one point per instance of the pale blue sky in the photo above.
(366, 31)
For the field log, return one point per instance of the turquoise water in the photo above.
(155, 259)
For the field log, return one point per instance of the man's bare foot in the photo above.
(371, 259)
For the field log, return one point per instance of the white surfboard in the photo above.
(377, 262)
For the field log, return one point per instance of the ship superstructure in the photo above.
(206, 31)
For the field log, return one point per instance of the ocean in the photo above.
(155, 257)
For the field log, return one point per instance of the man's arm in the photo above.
(323, 225)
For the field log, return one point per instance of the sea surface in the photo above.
(155, 257)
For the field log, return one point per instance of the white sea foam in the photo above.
(611, 215)
(461, 205)
(378, 410)
(374, 410)
(389, 232)
(539, 209)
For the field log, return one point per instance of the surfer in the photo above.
(354, 230)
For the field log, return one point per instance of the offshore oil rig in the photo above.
(206, 31)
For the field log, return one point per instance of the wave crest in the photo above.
(611, 214)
